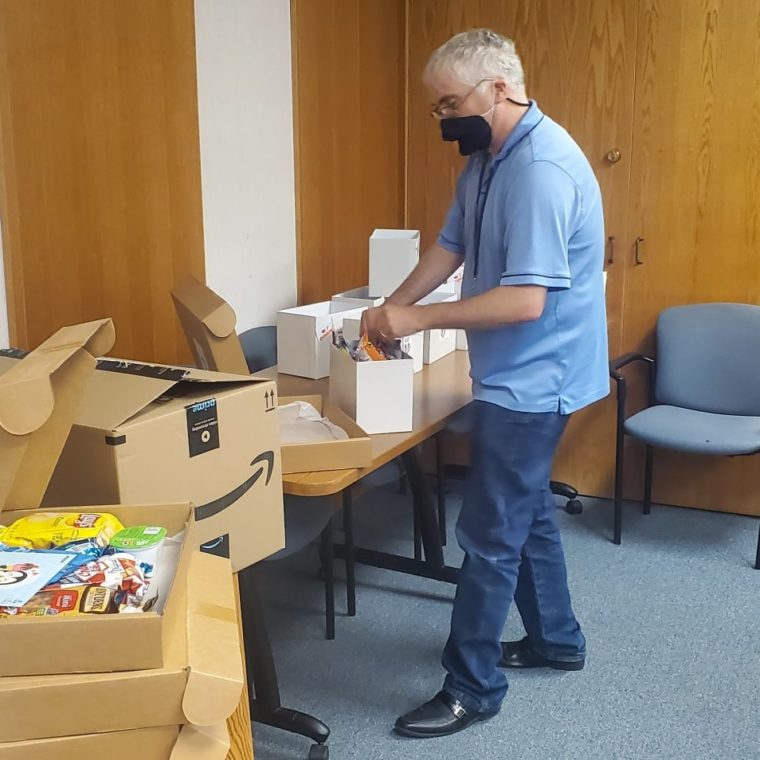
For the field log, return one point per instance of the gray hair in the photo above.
(476, 55)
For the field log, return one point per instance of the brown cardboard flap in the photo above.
(215, 313)
(215, 680)
(202, 743)
(25, 406)
(26, 391)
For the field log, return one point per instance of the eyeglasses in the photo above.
(450, 106)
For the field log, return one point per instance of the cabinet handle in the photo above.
(611, 249)
(637, 248)
(613, 156)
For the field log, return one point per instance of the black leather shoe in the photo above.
(518, 654)
(441, 716)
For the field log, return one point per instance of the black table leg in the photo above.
(418, 482)
(266, 706)
(328, 558)
(348, 529)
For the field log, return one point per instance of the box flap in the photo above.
(120, 389)
(214, 312)
(202, 743)
(215, 681)
(26, 391)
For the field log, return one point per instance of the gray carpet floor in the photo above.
(672, 619)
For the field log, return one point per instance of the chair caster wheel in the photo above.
(319, 752)
(574, 507)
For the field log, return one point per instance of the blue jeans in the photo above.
(512, 547)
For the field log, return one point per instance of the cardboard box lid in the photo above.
(211, 309)
(119, 390)
(26, 389)
(39, 396)
(205, 663)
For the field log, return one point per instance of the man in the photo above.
(527, 222)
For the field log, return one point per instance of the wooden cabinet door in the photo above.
(695, 201)
(579, 61)
(100, 186)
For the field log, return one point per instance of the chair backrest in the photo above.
(708, 358)
(259, 346)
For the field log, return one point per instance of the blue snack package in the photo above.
(83, 551)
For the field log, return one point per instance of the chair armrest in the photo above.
(624, 360)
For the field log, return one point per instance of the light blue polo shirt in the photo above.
(542, 224)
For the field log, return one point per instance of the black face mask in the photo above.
(473, 133)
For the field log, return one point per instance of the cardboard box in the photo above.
(438, 343)
(39, 396)
(172, 742)
(199, 685)
(304, 335)
(413, 345)
(355, 453)
(393, 254)
(453, 285)
(149, 433)
(142, 743)
(209, 325)
(100, 643)
(461, 340)
(378, 395)
(359, 297)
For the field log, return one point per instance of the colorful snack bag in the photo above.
(118, 572)
(78, 600)
(50, 530)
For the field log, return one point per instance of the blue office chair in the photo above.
(704, 390)
(306, 519)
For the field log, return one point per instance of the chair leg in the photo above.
(648, 463)
(757, 555)
(619, 462)
(328, 559)
(440, 487)
(417, 533)
(348, 529)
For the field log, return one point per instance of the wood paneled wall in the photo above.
(101, 194)
(349, 71)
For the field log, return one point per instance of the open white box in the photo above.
(461, 340)
(393, 254)
(379, 395)
(358, 297)
(304, 335)
(413, 345)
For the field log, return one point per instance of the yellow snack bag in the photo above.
(48, 530)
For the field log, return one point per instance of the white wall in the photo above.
(246, 136)
(4, 339)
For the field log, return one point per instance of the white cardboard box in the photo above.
(453, 284)
(359, 297)
(378, 395)
(438, 343)
(304, 336)
(393, 254)
(461, 340)
(414, 345)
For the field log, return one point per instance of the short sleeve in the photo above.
(451, 236)
(542, 208)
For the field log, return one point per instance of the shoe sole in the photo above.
(410, 734)
(554, 665)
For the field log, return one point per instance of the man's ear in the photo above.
(501, 89)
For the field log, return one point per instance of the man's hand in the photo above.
(388, 322)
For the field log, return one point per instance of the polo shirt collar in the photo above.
(529, 120)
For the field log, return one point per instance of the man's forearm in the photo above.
(434, 268)
(501, 306)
